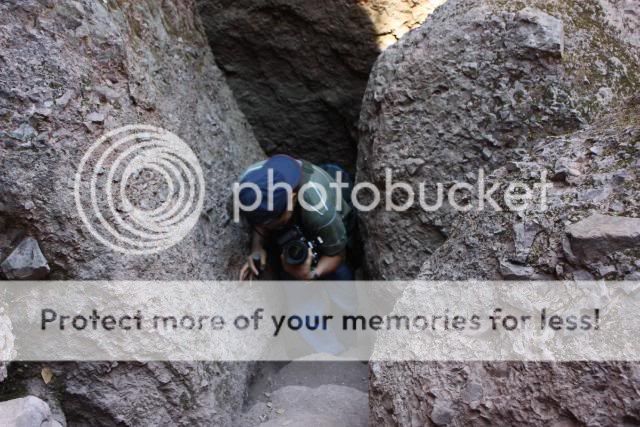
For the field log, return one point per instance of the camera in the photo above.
(295, 247)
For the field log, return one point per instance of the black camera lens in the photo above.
(295, 253)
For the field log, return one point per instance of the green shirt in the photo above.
(322, 210)
(325, 217)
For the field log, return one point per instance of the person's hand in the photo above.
(250, 268)
(299, 272)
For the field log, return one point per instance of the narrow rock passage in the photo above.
(298, 70)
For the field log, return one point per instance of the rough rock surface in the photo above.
(558, 243)
(300, 393)
(532, 394)
(475, 86)
(139, 62)
(623, 14)
(598, 236)
(6, 343)
(70, 71)
(591, 221)
(394, 18)
(299, 68)
(325, 406)
(26, 412)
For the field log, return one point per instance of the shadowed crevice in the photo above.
(298, 70)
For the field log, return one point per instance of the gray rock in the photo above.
(24, 133)
(606, 271)
(472, 393)
(155, 52)
(582, 275)
(541, 32)
(623, 15)
(64, 99)
(598, 236)
(106, 93)
(44, 111)
(95, 117)
(26, 412)
(605, 95)
(524, 235)
(420, 104)
(564, 170)
(26, 262)
(403, 393)
(325, 406)
(635, 276)
(300, 393)
(442, 414)
(511, 271)
(424, 100)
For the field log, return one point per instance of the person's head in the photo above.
(277, 181)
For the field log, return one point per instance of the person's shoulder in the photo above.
(315, 199)
(320, 175)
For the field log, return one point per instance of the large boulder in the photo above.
(598, 236)
(590, 230)
(132, 62)
(71, 70)
(299, 68)
(26, 412)
(474, 87)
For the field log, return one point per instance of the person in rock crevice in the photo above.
(298, 194)
(320, 211)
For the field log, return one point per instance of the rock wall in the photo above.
(537, 89)
(515, 88)
(299, 68)
(623, 15)
(70, 71)
(591, 230)
(65, 64)
(476, 86)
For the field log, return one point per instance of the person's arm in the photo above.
(327, 265)
(257, 241)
